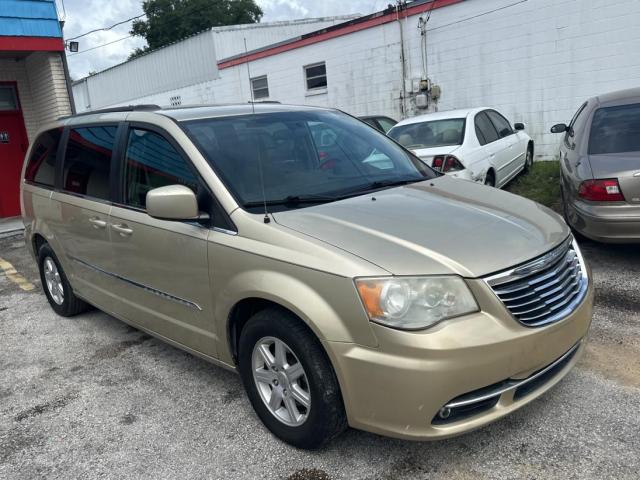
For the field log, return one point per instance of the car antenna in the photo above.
(253, 111)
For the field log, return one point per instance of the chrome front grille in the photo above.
(546, 289)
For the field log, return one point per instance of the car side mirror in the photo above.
(519, 126)
(173, 202)
(559, 128)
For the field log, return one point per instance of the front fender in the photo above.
(328, 304)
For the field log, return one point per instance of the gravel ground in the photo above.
(91, 397)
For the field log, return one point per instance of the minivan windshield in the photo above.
(615, 130)
(436, 133)
(300, 158)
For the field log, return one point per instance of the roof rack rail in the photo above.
(264, 101)
(124, 108)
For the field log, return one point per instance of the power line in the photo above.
(99, 46)
(175, 15)
(478, 15)
(104, 29)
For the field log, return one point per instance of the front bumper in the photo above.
(399, 388)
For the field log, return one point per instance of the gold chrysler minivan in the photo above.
(346, 281)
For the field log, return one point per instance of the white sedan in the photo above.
(476, 144)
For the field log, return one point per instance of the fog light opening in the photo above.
(444, 413)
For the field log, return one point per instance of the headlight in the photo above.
(414, 303)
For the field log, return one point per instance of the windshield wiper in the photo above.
(379, 184)
(391, 183)
(294, 200)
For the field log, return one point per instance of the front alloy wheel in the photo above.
(289, 379)
(281, 381)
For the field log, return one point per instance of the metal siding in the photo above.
(29, 18)
(188, 62)
(229, 41)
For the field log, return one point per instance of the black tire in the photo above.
(71, 305)
(326, 416)
(528, 162)
(490, 179)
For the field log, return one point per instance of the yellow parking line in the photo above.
(15, 277)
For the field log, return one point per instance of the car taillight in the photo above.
(452, 164)
(446, 163)
(605, 190)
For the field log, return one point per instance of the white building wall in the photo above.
(536, 61)
(363, 71)
(188, 63)
(229, 40)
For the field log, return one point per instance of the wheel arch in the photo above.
(327, 311)
(37, 240)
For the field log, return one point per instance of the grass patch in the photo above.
(541, 184)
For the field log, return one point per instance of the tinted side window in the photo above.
(485, 130)
(615, 130)
(386, 124)
(152, 162)
(576, 122)
(41, 168)
(372, 122)
(502, 125)
(577, 114)
(87, 161)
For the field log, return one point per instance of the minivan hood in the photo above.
(440, 226)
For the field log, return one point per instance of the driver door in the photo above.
(161, 265)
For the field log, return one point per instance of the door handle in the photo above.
(122, 229)
(97, 223)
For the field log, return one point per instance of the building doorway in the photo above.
(13, 146)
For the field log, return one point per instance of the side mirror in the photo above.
(173, 202)
(559, 128)
(519, 126)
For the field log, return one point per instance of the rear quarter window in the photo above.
(87, 161)
(41, 167)
(615, 130)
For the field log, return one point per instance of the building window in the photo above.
(175, 101)
(8, 99)
(316, 76)
(260, 87)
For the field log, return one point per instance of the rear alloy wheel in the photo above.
(56, 286)
(53, 281)
(289, 379)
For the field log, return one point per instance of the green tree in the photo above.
(171, 20)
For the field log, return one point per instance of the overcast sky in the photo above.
(85, 15)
